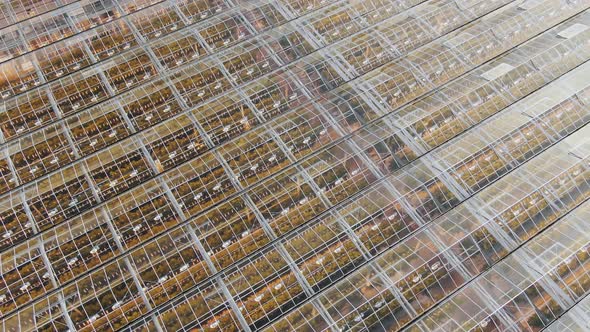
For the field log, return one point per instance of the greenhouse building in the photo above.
(295, 165)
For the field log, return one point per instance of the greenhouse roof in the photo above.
(294, 165)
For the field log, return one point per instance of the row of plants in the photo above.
(199, 184)
(534, 308)
(23, 10)
(155, 21)
(173, 51)
(173, 144)
(304, 318)
(55, 26)
(14, 47)
(49, 204)
(55, 62)
(123, 172)
(45, 30)
(45, 315)
(154, 103)
(24, 283)
(17, 76)
(52, 207)
(110, 39)
(77, 92)
(169, 265)
(7, 179)
(270, 264)
(571, 189)
(274, 95)
(111, 290)
(230, 232)
(303, 130)
(139, 215)
(97, 128)
(386, 147)
(197, 84)
(264, 17)
(23, 114)
(81, 251)
(254, 156)
(15, 225)
(336, 21)
(41, 155)
(198, 10)
(225, 118)
(571, 275)
(191, 307)
(243, 64)
(136, 68)
(230, 28)
(521, 143)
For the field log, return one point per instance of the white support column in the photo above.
(286, 12)
(309, 34)
(11, 166)
(526, 258)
